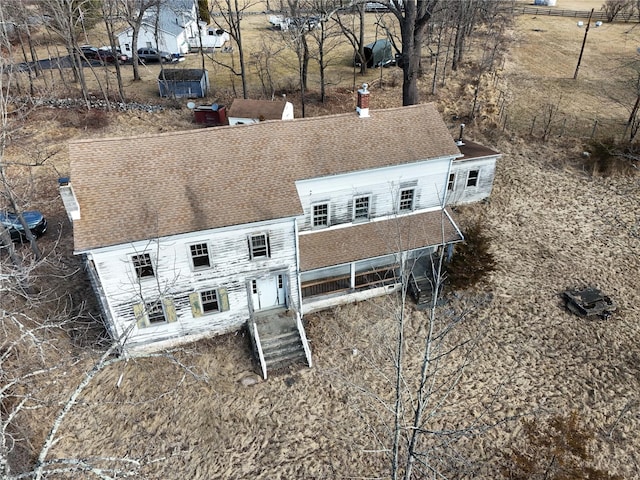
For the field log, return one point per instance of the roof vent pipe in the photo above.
(459, 141)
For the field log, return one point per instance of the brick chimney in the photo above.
(363, 101)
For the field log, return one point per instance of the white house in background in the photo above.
(177, 22)
(246, 111)
(198, 233)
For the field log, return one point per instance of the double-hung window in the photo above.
(142, 265)
(259, 246)
(451, 182)
(200, 255)
(472, 179)
(157, 312)
(210, 303)
(406, 200)
(361, 209)
(320, 215)
(206, 302)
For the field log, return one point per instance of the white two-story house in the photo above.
(167, 27)
(196, 233)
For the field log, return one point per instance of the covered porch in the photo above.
(377, 256)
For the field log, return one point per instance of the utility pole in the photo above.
(584, 41)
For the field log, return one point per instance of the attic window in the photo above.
(143, 266)
(472, 179)
(320, 215)
(360, 208)
(406, 200)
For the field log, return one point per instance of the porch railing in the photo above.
(263, 363)
(363, 280)
(303, 338)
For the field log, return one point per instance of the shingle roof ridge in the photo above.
(164, 184)
(201, 131)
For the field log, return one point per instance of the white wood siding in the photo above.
(231, 269)
(381, 185)
(461, 193)
(168, 42)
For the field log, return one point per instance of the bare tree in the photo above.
(229, 18)
(50, 353)
(262, 61)
(110, 16)
(7, 188)
(413, 18)
(325, 38)
(17, 15)
(614, 7)
(408, 395)
(355, 35)
(69, 20)
(463, 14)
(134, 13)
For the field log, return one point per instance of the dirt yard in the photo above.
(552, 224)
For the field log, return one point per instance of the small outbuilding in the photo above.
(245, 111)
(210, 115)
(209, 37)
(376, 54)
(183, 83)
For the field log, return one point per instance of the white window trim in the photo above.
(197, 305)
(204, 267)
(151, 261)
(451, 182)
(162, 309)
(211, 312)
(413, 199)
(267, 245)
(477, 178)
(361, 219)
(141, 312)
(313, 216)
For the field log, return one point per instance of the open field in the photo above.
(552, 225)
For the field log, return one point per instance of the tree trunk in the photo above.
(412, 36)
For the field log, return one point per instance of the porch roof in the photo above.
(374, 239)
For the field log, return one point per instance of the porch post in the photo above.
(353, 275)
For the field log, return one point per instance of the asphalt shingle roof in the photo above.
(141, 187)
(262, 109)
(375, 239)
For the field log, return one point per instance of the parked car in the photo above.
(153, 55)
(90, 52)
(34, 219)
(108, 55)
(102, 54)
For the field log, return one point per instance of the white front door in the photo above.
(268, 292)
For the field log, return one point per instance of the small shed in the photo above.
(245, 111)
(210, 115)
(376, 54)
(180, 83)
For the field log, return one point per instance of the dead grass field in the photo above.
(553, 225)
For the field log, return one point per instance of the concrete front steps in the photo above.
(279, 340)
